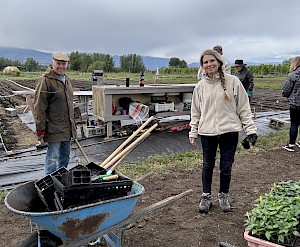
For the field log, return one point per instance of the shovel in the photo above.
(91, 165)
(102, 172)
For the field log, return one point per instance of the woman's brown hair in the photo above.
(220, 70)
(295, 63)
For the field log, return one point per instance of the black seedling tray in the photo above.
(74, 192)
(78, 167)
(77, 177)
(113, 189)
(98, 190)
(45, 187)
(96, 169)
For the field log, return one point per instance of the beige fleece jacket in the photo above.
(212, 114)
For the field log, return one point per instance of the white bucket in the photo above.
(187, 97)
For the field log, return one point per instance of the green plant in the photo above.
(276, 215)
(3, 194)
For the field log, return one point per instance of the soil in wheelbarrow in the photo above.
(180, 224)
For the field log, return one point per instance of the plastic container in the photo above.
(72, 195)
(45, 187)
(77, 177)
(179, 107)
(160, 107)
(187, 97)
(256, 242)
(106, 190)
(83, 194)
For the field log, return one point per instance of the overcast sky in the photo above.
(253, 30)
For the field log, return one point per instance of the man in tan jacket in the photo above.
(54, 113)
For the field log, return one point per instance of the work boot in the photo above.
(205, 203)
(223, 200)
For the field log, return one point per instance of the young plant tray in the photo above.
(95, 191)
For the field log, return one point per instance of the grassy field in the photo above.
(265, 82)
(191, 159)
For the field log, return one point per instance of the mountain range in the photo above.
(44, 58)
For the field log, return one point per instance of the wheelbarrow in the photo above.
(83, 224)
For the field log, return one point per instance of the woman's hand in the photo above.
(193, 141)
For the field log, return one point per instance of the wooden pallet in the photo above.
(279, 123)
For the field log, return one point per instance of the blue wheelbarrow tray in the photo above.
(74, 223)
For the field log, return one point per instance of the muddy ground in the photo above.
(180, 224)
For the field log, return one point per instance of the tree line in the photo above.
(132, 63)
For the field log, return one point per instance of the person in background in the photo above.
(245, 75)
(54, 113)
(226, 64)
(291, 90)
(219, 111)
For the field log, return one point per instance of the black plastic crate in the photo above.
(45, 187)
(74, 192)
(96, 169)
(106, 190)
(45, 190)
(62, 203)
(99, 190)
(78, 167)
(77, 177)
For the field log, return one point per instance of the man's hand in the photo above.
(40, 133)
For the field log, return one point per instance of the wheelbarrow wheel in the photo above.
(47, 240)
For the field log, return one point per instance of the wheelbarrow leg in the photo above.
(41, 238)
(114, 240)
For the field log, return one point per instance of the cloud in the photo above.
(251, 30)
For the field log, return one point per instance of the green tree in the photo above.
(97, 65)
(108, 62)
(5, 62)
(174, 62)
(132, 63)
(84, 61)
(31, 65)
(75, 61)
(183, 64)
(177, 63)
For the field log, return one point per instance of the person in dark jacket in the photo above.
(54, 113)
(245, 75)
(291, 90)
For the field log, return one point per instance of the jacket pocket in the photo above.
(235, 120)
(56, 123)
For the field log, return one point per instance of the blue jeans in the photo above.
(227, 144)
(58, 155)
(295, 123)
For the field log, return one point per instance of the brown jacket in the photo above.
(53, 108)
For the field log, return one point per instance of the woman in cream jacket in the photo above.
(220, 110)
